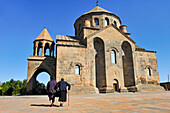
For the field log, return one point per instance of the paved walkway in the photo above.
(155, 102)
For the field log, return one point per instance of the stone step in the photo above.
(149, 87)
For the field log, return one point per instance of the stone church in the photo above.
(100, 58)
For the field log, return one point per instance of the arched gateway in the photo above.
(41, 61)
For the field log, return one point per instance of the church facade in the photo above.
(100, 58)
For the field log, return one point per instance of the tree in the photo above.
(40, 89)
(13, 87)
(23, 89)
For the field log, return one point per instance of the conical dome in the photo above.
(97, 9)
(44, 35)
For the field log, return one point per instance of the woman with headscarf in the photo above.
(63, 91)
(51, 90)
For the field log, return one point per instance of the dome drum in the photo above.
(96, 18)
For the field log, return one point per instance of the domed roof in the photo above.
(98, 9)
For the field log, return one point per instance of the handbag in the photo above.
(53, 91)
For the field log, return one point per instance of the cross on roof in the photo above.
(97, 2)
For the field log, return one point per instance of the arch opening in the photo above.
(115, 23)
(100, 64)
(47, 49)
(39, 49)
(106, 21)
(128, 67)
(96, 20)
(116, 85)
(39, 81)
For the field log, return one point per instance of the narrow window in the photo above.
(96, 21)
(113, 57)
(106, 21)
(115, 23)
(77, 70)
(80, 27)
(149, 71)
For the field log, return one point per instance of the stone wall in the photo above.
(143, 60)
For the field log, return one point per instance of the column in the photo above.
(50, 51)
(36, 49)
(43, 48)
(53, 52)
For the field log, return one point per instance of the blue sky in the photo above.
(21, 21)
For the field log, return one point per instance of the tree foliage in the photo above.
(18, 87)
(40, 89)
(13, 87)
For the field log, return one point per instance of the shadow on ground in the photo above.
(43, 105)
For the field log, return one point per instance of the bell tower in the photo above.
(42, 60)
(44, 44)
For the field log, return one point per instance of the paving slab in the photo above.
(148, 102)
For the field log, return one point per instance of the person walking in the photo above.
(63, 91)
(51, 90)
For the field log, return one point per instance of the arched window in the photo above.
(149, 71)
(115, 23)
(106, 21)
(113, 57)
(96, 20)
(77, 70)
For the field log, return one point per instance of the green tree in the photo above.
(23, 89)
(40, 89)
(0, 90)
(13, 87)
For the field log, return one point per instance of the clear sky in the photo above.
(21, 21)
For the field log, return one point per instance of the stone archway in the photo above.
(100, 64)
(128, 67)
(31, 83)
(37, 86)
(37, 65)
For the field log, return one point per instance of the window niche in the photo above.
(113, 56)
(148, 71)
(77, 69)
(96, 20)
(115, 23)
(106, 21)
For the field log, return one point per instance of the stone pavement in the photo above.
(149, 102)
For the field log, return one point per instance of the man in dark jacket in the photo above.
(51, 90)
(63, 91)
